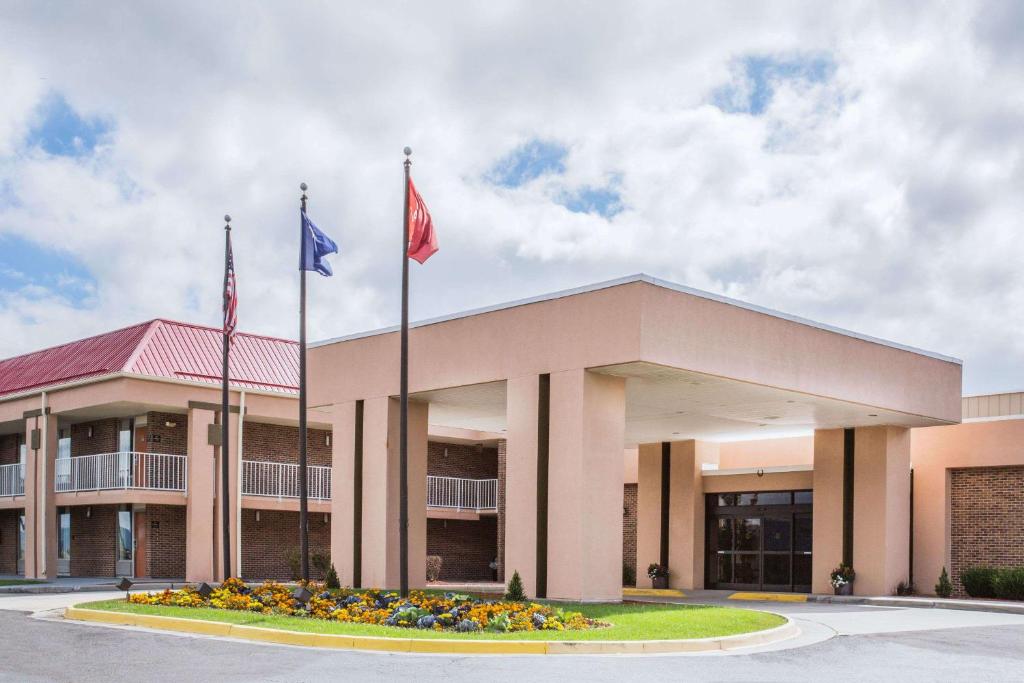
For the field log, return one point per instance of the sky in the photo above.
(859, 164)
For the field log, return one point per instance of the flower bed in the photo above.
(448, 612)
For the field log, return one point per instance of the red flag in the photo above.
(422, 238)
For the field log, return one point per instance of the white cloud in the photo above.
(885, 199)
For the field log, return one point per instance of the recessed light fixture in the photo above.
(872, 414)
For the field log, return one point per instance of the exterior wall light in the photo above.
(327, 440)
(257, 516)
(88, 431)
(88, 512)
(170, 425)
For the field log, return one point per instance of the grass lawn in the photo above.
(629, 621)
(17, 582)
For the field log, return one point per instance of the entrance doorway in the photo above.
(64, 542)
(125, 566)
(759, 541)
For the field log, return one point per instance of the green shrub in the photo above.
(978, 582)
(331, 579)
(944, 588)
(515, 592)
(1008, 584)
(628, 575)
(294, 559)
(321, 564)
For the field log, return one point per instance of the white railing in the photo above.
(12, 480)
(462, 494)
(129, 470)
(281, 480)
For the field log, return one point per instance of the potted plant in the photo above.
(842, 579)
(658, 574)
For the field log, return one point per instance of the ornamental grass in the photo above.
(448, 612)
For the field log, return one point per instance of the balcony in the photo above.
(12, 480)
(453, 493)
(281, 480)
(128, 470)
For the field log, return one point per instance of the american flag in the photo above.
(230, 296)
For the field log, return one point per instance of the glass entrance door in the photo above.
(21, 544)
(125, 542)
(759, 541)
(64, 542)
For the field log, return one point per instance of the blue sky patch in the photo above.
(603, 201)
(28, 267)
(528, 161)
(761, 74)
(61, 131)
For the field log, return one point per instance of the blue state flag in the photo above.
(315, 246)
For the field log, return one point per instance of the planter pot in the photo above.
(845, 589)
(660, 582)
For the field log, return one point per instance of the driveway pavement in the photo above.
(841, 643)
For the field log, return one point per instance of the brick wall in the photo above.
(986, 514)
(280, 443)
(9, 541)
(164, 439)
(629, 526)
(458, 460)
(93, 540)
(502, 455)
(165, 541)
(265, 543)
(103, 439)
(9, 448)
(466, 547)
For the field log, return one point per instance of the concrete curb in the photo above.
(921, 603)
(436, 646)
(50, 589)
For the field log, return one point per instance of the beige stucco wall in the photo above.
(640, 322)
(797, 450)
(936, 450)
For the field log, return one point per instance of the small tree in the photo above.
(331, 579)
(515, 591)
(944, 588)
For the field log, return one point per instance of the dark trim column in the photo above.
(848, 472)
(543, 458)
(666, 492)
(357, 500)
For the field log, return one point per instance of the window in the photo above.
(759, 498)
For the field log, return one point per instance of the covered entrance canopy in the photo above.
(571, 379)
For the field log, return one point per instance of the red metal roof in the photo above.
(158, 348)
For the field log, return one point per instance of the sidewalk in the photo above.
(75, 584)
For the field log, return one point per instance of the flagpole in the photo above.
(225, 468)
(403, 437)
(303, 481)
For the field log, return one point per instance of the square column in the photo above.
(686, 513)
(685, 509)
(234, 471)
(648, 511)
(878, 471)
(380, 528)
(343, 491)
(199, 512)
(522, 395)
(40, 501)
(585, 472)
(827, 531)
(881, 509)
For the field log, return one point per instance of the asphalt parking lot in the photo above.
(839, 642)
